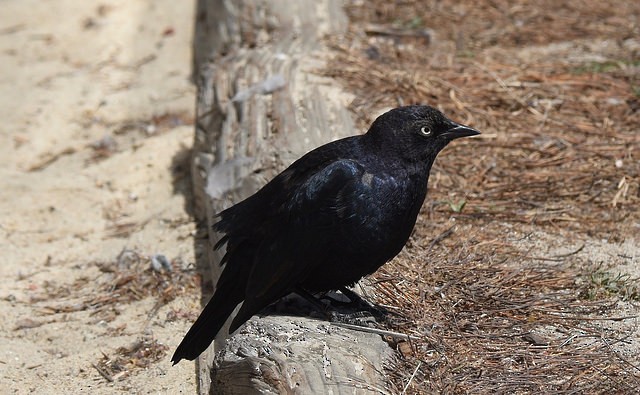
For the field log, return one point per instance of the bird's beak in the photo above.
(457, 130)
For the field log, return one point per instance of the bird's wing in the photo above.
(245, 219)
(309, 225)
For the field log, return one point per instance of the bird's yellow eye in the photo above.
(425, 131)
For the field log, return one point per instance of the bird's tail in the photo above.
(230, 291)
(207, 326)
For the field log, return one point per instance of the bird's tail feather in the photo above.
(208, 324)
(229, 293)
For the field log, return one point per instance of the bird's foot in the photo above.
(359, 318)
(361, 307)
(357, 309)
(359, 303)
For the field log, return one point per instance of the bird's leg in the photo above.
(355, 300)
(363, 317)
(376, 311)
(306, 295)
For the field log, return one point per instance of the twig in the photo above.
(583, 318)
(618, 354)
(441, 237)
(384, 30)
(404, 390)
(381, 332)
(571, 253)
(104, 374)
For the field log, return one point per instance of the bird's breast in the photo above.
(388, 208)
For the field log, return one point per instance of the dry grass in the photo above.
(489, 319)
(555, 89)
(132, 277)
(129, 279)
(139, 355)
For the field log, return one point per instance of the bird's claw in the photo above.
(359, 318)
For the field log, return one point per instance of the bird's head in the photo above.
(416, 132)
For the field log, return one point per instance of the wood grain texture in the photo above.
(246, 133)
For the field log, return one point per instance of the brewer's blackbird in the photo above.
(333, 216)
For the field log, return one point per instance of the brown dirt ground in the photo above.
(522, 273)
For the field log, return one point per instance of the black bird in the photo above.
(333, 216)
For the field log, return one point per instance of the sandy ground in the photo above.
(74, 75)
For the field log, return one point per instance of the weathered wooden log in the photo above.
(261, 104)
